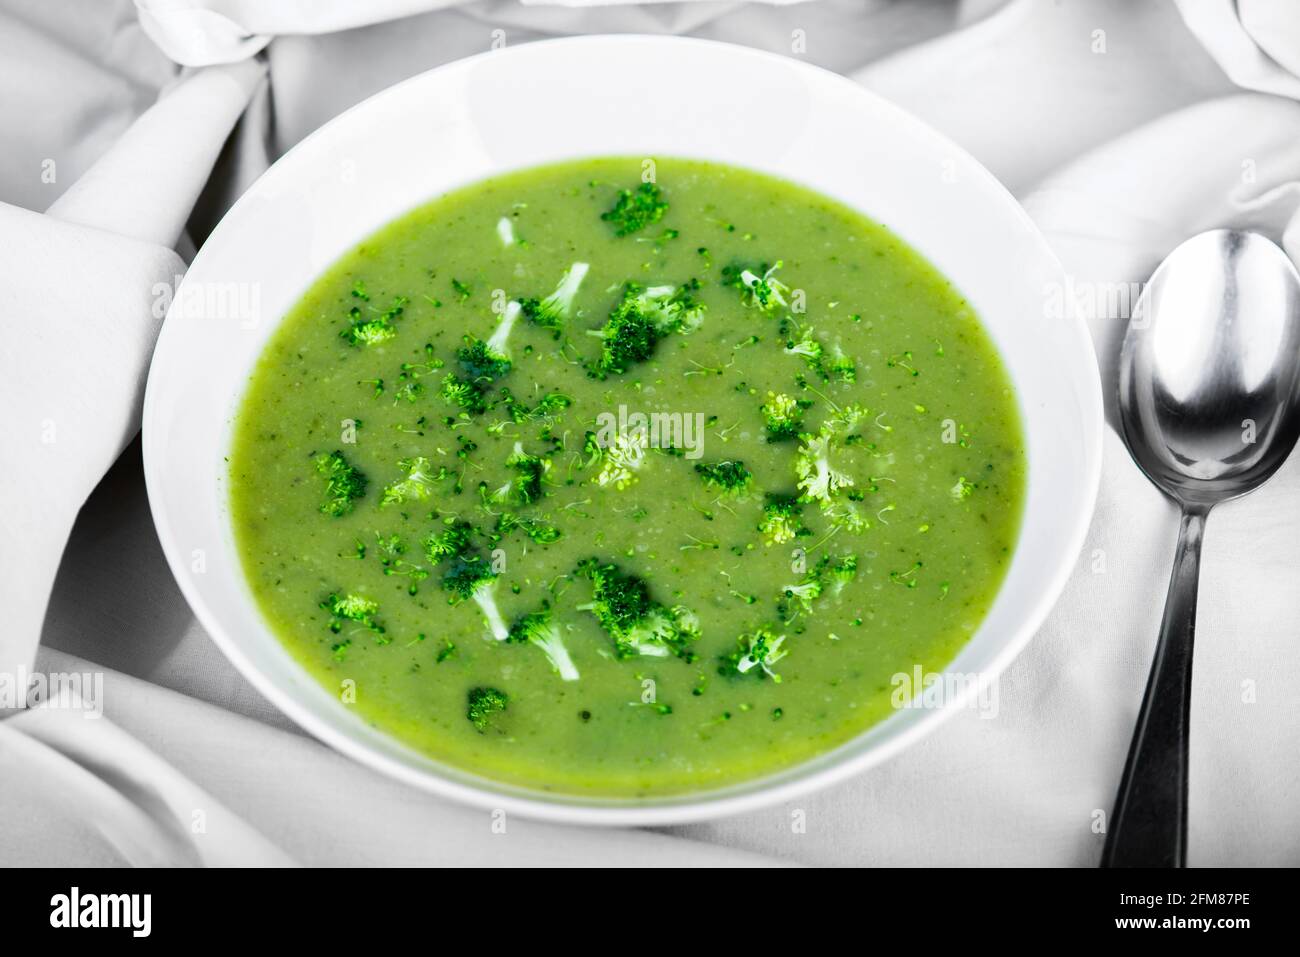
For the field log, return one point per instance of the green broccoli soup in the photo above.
(624, 478)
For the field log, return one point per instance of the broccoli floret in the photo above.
(962, 490)
(675, 307)
(781, 519)
(471, 576)
(758, 285)
(623, 459)
(783, 416)
(540, 531)
(633, 211)
(808, 347)
(829, 367)
(638, 624)
(553, 311)
(730, 477)
(526, 487)
(483, 704)
(450, 542)
(845, 515)
(350, 607)
(828, 573)
(496, 345)
(841, 571)
(818, 479)
(344, 483)
(420, 477)
(592, 449)
(642, 317)
(839, 367)
(538, 629)
(806, 592)
(757, 652)
(464, 394)
(369, 332)
(481, 364)
(629, 336)
(549, 405)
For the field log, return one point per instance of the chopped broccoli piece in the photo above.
(829, 367)
(832, 573)
(840, 367)
(466, 395)
(450, 542)
(758, 285)
(496, 345)
(483, 704)
(962, 490)
(420, 477)
(633, 211)
(675, 307)
(369, 332)
(730, 477)
(541, 532)
(538, 629)
(344, 483)
(783, 416)
(529, 469)
(553, 311)
(471, 576)
(642, 317)
(841, 571)
(548, 406)
(592, 449)
(757, 652)
(808, 347)
(350, 607)
(781, 519)
(638, 624)
(818, 479)
(623, 459)
(481, 363)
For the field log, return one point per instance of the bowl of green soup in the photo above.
(612, 444)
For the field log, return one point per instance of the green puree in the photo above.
(733, 605)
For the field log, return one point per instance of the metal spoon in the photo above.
(1209, 401)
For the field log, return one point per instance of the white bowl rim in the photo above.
(694, 806)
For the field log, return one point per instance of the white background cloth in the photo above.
(1123, 127)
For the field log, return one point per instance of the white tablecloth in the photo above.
(1123, 127)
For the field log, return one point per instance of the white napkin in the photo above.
(85, 283)
(1027, 787)
(82, 790)
(203, 32)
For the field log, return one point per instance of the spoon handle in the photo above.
(1148, 827)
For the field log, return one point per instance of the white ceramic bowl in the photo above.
(608, 96)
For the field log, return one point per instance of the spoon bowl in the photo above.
(1209, 401)
(1209, 384)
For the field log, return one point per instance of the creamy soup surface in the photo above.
(619, 478)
